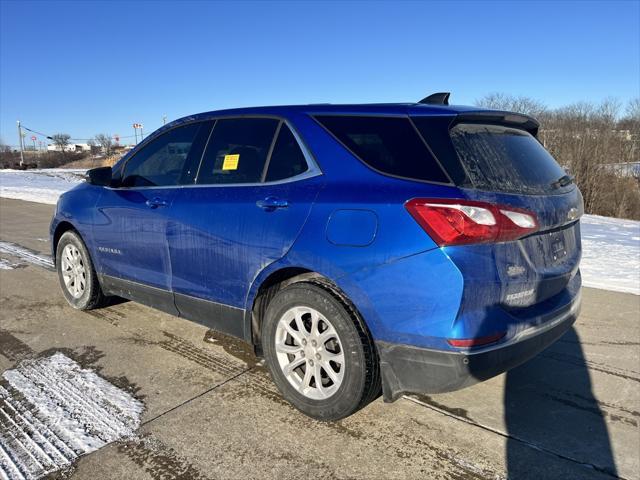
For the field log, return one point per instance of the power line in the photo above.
(33, 131)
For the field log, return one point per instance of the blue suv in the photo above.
(359, 248)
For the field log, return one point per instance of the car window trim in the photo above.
(151, 138)
(400, 115)
(265, 167)
(313, 169)
(206, 145)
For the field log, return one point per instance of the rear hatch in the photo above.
(494, 157)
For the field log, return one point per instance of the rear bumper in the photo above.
(409, 369)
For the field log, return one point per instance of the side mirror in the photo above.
(100, 176)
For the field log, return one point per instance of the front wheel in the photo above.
(76, 274)
(319, 352)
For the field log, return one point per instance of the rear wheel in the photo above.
(319, 352)
(76, 274)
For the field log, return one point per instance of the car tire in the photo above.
(76, 273)
(334, 337)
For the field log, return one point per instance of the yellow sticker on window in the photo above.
(231, 162)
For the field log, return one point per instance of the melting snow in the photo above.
(7, 265)
(611, 246)
(26, 254)
(53, 411)
(42, 186)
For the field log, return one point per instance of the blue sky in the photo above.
(90, 67)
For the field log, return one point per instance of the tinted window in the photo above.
(237, 151)
(162, 161)
(388, 144)
(287, 159)
(504, 159)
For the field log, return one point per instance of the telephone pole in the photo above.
(21, 144)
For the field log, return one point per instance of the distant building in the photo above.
(72, 147)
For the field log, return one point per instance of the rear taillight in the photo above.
(461, 222)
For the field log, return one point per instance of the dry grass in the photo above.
(93, 162)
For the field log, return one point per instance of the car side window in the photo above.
(163, 161)
(237, 151)
(287, 159)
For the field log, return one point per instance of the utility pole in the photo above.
(21, 144)
(164, 120)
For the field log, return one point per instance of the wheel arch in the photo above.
(275, 281)
(61, 228)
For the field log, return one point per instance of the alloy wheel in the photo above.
(73, 271)
(310, 353)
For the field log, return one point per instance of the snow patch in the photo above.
(7, 265)
(26, 255)
(53, 411)
(610, 253)
(42, 186)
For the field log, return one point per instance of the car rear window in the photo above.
(390, 145)
(504, 159)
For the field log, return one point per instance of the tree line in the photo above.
(596, 142)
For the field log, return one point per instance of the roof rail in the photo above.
(440, 98)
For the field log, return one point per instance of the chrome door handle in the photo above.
(272, 203)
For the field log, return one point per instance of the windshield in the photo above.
(503, 159)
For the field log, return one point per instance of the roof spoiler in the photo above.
(440, 98)
(510, 119)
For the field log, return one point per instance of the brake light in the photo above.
(462, 222)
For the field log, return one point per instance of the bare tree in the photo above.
(633, 109)
(4, 148)
(105, 141)
(511, 103)
(594, 143)
(61, 140)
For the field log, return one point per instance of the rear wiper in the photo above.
(563, 181)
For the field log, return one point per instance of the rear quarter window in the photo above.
(390, 145)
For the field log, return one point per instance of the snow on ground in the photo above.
(43, 186)
(611, 247)
(53, 411)
(7, 265)
(610, 253)
(25, 254)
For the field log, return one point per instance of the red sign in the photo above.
(33, 137)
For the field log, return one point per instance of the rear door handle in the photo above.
(272, 203)
(156, 202)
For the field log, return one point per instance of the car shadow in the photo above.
(549, 404)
